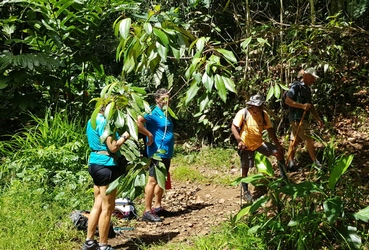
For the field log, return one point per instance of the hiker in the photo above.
(158, 129)
(299, 100)
(247, 128)
(104, 168)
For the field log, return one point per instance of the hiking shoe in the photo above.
(108, 247)
(160, 211)
(91, 245)
(247, 196)
(151, 217)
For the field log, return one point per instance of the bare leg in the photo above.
(311, 149)
(94, 215)
(158, 195)
(149, 193)
(108, 204)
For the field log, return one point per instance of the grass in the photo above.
(207, 165)
(27, 222)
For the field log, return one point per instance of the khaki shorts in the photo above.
(304, 132)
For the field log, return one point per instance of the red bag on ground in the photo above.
(168, 183)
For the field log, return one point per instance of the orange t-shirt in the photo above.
(252, 132)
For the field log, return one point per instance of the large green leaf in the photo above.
(133, 131)
(162, 36)
(277, 91)
(270, 93)
(191, 92)
(228, 55)
(302, 189)
(160, 174)
(138, 100)
(148, 28)
(129, 65)
(251, 208)
(124, 27)
(204, 101)
(351, 236)
(263, 164)
(163, 51)
(172, 114)
(220, 86)
(333, 209)
(140, 180)
(109, 110)
(246, 43)
(339, 169)
(363, 214)
(229, 84)
(200, 44)
(207, 81)
(119, 120)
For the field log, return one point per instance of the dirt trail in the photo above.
(196, 209)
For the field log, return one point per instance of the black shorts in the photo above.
(155, 163)
(104, 175)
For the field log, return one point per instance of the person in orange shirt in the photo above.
(247, 127)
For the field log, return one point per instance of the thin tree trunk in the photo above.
(281, 37)
(248, 33)
(312, 11)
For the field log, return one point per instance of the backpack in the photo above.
(245, 118)
(80, 222)
(125, 209)
(284, 95)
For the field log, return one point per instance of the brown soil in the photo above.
(196, 209)
(200, 207)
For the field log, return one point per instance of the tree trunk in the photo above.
(312, 11)
(248, 33)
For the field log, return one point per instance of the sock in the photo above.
(157, 209)
(103, 246)
(244, 186)
(89, 241)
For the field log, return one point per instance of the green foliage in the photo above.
(310, 206)
(147, 45)
(51, 152)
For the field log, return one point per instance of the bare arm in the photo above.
(237, 136)
(292, 103)
(143, 130)
(114, 145)
(272, 135)
(280, 149)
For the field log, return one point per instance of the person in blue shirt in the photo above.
(104, 169)
(158, 129)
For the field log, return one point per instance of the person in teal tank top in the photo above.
(104, 169)
(158, 129)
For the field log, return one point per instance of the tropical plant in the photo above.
(312, 206)
(50, 152)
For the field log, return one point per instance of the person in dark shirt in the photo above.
(299, 100)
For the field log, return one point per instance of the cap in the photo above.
(256, 100)
(311, 71)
